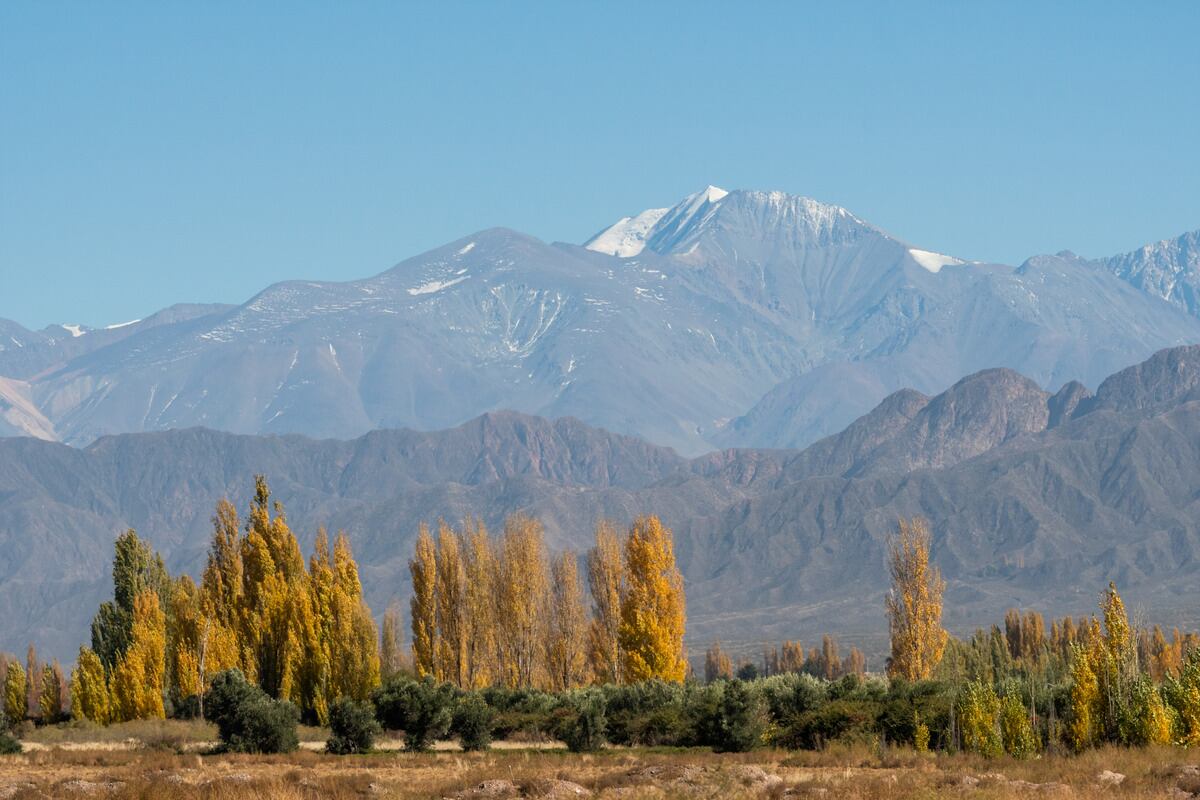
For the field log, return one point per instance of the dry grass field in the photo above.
(151, 760)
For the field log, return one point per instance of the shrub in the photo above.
(247, 720)
(353, 727)
(422, 709)
(268, 726)
(837, 720)
(906, 703)
(793, 693)
(920, 735)
(584, 732)
(9, 744)
(667, 726)
(473, 723)
(741, 721)
(637, 710)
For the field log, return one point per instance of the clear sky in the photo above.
(160, 152)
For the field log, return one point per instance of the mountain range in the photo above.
(1035, 499)
(739, 318)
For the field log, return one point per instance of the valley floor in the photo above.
(128, 769)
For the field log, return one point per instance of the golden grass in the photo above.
(858, 773)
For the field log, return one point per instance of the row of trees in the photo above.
(36, 690)
(504, 612)
(824, 662)
(301, 633)
(500, 623)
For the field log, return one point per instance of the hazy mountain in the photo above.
(1054, 319)
(788, 316)
(1169, 269)
(1031, 504)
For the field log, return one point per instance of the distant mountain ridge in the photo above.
(1034, 499)
(732, 318)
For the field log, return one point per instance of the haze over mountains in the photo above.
(1035, 500)
(731, 318)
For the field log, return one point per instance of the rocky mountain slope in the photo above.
(788, 316)
(1035, 500)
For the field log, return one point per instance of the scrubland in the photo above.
(154, 769)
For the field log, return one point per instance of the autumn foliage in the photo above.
(506, 612)
(300, 632)
(914, 606)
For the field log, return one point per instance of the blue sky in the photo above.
(161, 152)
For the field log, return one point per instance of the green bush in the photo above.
(9, 744)
(645, 713)
(352, 726)
(422, 709)
(473, 723)
(666, 726)
(905, 703)
(742, 719)
(248, 721)
(837, 720)
(585, 731)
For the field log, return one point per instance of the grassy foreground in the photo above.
(70, 766)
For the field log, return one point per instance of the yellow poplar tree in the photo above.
(451, 607)
(521, 602)
(53, 694)
(479, 562)
(220, 620)
(354, 655)
(314, 671)
(1086, 701)
(606, 577)
(16, 701)
(717, 665)
(89, 689)
(423, 568)
(792, 657)
(566, 659)
(914, 604)
(276, 612)
(138, 679)
(391, 652)
(653, 612)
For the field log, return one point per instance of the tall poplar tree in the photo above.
(89, 689)
(479, 563)
(914, 604)
(391, 651)
(567, 631)
(137, 681)
(452, 620)
(521, 603)
(354, 654)
(606, 579)
(16, 699)
(423, 568)
(653, 612)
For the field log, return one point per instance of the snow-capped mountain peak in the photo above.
(627, 236)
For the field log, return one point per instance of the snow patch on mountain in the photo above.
(75, 330)
(120, 325)
(627, 236)
(436, 286)
(933, 261)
